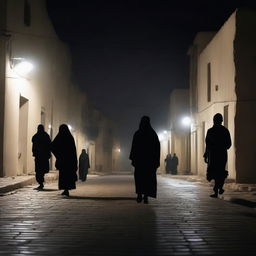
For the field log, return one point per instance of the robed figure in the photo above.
(84, 165)
(174, 164)
(168, 161)
(145, 157)
(41, 151)
(64, 149)
(217, 141)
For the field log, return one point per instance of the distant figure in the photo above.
(64, 149)
(84, 165)
(145, 156)
(174, 164)
(41, 151)
(168, 163)
(217, 143)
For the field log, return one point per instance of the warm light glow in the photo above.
(70, 127)
(23, 68)
(186, 121)
(49, 126)
(119, 150)
(165, 132)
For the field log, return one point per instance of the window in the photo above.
(209, 82)
(27, 13)
(225, 116)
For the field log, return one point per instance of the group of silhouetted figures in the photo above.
(144, 156)
(171, 163)
(64, 149)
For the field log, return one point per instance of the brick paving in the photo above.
(102, 217)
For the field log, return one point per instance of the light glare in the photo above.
(23, 68)
(186, 121)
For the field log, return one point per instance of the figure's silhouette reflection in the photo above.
(217, 141)
(145, 157)
(64, 149)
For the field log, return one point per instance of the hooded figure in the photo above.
(64, 149)
(84, 165)
(217, 141)
(145, 157)
(41, 151)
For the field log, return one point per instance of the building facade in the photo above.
(222, 80)
(46, 95)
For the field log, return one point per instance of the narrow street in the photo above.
(102, 217)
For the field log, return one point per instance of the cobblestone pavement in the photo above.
(102, 217)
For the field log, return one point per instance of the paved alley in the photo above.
(102, 217)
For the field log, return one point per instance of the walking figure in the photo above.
(41, 151)
(145, 157)
(64, 149)
(168, 161)
(84, 165)
(217, 141)
(174, 164)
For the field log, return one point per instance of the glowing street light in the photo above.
(186, 121)
(21, 66)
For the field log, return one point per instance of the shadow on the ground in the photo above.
(102, 198)
(243, 202)
(47, 190)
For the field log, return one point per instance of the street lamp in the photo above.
(186, 121)
(21, 66)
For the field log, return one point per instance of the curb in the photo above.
(49, 177)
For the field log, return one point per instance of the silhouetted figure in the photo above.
(145, 156)
(84, 165)
(168, 163)
(174, 164)
(64, 149)
(217, 141)
(41, 151)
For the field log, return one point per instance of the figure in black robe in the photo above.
(168, 160)
(64, 149)
(174, 164)
(217, 141)
(145, 157)
(84, 165)
(41, 151)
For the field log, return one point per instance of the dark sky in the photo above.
(129, 55)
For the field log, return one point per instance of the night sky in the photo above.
(129, 55)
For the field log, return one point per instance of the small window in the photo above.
(27, 13)
(209, 82)
(226, 116)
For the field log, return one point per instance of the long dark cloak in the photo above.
(145, 156)
(64, 149)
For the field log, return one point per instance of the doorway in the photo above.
(23, 133)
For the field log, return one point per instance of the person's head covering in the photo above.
(217, 119)
(64, 130)
(145, 123)
(83, 151)
(40, 128)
